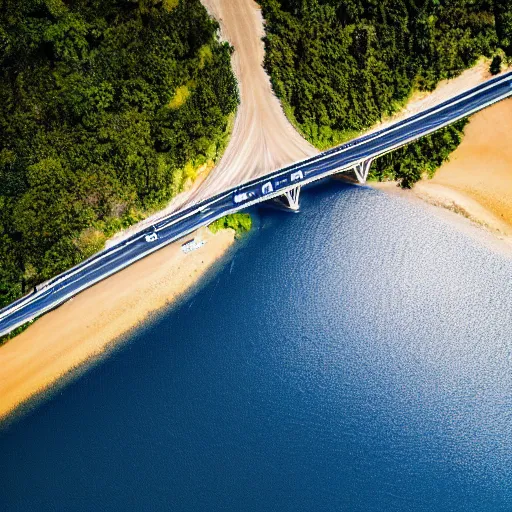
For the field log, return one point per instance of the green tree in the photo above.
(339, 66)
(495, 67)
(503, 14)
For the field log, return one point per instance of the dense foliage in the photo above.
(503, 14)
(339, 66)
(240, 222)
(108, 106)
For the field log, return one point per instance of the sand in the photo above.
(85, 328)
(477, 180)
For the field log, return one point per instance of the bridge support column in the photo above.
(290, 199)
(361, 170)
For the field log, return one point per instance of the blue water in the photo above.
(356, 356)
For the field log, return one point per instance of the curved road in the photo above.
(274, 184)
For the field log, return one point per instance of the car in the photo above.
(267, 188)
(296, 176)
(151, 237)
(243, 196)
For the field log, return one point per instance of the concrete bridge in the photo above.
(358, 154)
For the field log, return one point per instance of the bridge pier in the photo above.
(361, 170)
(290, 199)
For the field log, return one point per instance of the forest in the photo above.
(108, 109)
(340, 66)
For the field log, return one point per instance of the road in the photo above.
(263, 139)
(179, 224)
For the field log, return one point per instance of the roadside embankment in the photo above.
(88, 326)
(445, 89)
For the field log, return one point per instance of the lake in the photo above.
(355, 356)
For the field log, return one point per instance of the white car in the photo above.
(243, 196)
(151, 238)
(296, 176)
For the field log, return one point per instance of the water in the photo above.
(356, 356)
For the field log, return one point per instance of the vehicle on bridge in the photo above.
(267, 188)
(203, 210)
(280, 182)
(298, 175)
(240, 197)
(153, 237)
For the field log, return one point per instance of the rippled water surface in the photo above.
(356, 356)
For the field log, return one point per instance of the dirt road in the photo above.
(263, 139)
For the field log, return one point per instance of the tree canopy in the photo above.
(105, 105)
(340, 66)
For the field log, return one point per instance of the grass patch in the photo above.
(18, 330)
(169, 5)
(240, 222)
(205, 55)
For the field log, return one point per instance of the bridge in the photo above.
(283, 185)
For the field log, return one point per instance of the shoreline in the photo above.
(476, 182)
(456, 209)
(61, 341)
(81, 332)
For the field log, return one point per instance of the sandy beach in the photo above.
(477, 180)
(478, 176)
(90, 325)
